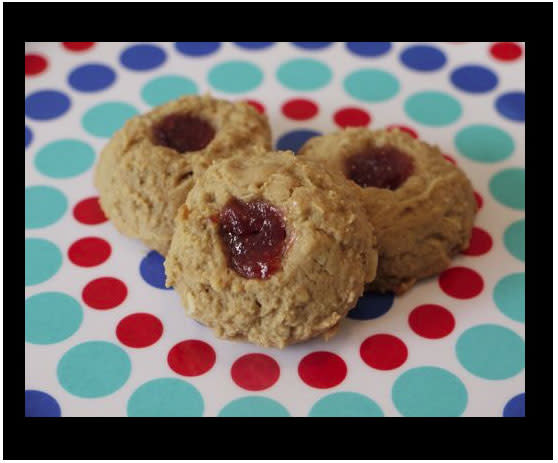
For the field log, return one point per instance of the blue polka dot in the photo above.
(197, 48)
(371, 85)
(142, 57)
(254, 45)
(514, 239)
(423, 58)
(294, 139)
(94, 369)
(345, 404)
(312, 45)
(42, 260)
(28, 136)
(371, 305)
(46, 104)
(152, 270)
(474, 79)
(235, 76)
(40, 404)
(252, 407)
(166, 397)
(91, 77)
(44, 205)
(512, 106)
(369, 49)
(106, 118)
(515, 407)
(64, 158)
(508, 187)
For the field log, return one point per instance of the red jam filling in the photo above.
(253, 236)
(183, 132)
(380, 167)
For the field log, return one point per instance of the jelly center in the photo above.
(253, 236)
(380, 167)
(183, 132)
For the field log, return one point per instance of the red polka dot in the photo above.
(449, 158)
(431, 321)
(89, 212)
(383, 352)
(506, 51)
(403, 128)
(255, 372)
(34, 64)
(461, 282)
(77, 46)
(139, 330)
(352, 117)
(104, 293)
(322, 369)
(479, 200)
(300, 109)
(481, 243)
(191, 358)
(256, 104)
(88, 252)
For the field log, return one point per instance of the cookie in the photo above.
(148, 167)
(271, 249)
(422, 206)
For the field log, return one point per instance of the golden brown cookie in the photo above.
(148, 167)
(422, 206)
(271, 249)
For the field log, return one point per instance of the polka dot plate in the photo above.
(104, 337)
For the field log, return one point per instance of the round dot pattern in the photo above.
(469, 109)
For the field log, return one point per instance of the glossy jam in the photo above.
(183, 133)
(253, 236)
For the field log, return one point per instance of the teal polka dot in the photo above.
(44, 205)
(509, 296)
(64, 158)
(484, 143)
(164, 89)
(254, 406)
(434, 109)
(165, 397)
(93, 369)
(491, 351)
(42, 260)
(348, 404)
(429, 392)
(371, 85)
(304, 74)
(514, 239)
(51, 317)
(106, 118)
(508, 187)
(235, 77)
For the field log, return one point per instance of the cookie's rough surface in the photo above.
(142, 181)
(421, 221)
(330, 252)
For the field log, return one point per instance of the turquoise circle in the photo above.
(484, 143)
(64, 158)
(42, 260)
(429, 392)
(51, 317)
(44, 205)
(304, 74)
(509, 296)
(167, 88)
(104, 119)
(345, 404)
(432, 108)
(165, 397)
(254, 406)
(371, 85)
(508, 187)
(94, 369)
(491, 351)
(514, 239)
(235, 76)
